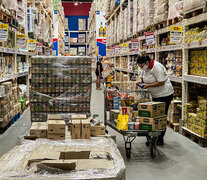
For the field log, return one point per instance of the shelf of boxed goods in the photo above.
(115, 11)
(14, 51)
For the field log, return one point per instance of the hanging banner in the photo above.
(124, 48)
(32, 44)
(150, 38)
(21, 40)
(176, 34)
(134, 44)
(39, 47)
(3, 32)
(117, 50)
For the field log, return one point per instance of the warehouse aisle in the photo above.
(178, 159)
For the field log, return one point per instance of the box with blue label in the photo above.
(153, 124)
(151, 109)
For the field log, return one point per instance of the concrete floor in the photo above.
(178, 159)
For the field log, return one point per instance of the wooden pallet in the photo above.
(194, 137)
(195, 12)
(174, 21)
(160, 25)
(174, 126)
(3, 129)
(5, 18)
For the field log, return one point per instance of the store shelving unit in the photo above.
(67, 43)
(185, 79)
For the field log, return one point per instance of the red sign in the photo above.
(101, 41)
(135, 44)
(150, 38)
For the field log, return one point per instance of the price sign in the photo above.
(135, 44)
(111, 51)
(32, 44)
(39, 48)
(107, 52)
(117, 50)
(150, 38)
(21, 40)
(124, 48)
(176, 34)
(3, 32)
(48, 51)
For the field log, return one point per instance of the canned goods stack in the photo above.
(60, 85)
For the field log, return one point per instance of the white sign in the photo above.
(39, 48)
(32, 45)
(150, 38)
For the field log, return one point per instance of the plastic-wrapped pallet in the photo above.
(175, 8)
(21, 12)
(135, 16)
(149, 13)
(60, 85)
(10, 4)
(161, 13)
(141, 23)
(192, 5)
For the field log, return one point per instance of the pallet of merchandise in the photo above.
(174, 126)
(194, 137)
(160, 25)
(193, 9)
(4, 17)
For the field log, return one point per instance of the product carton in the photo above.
(85, 131)
(203, 124)
(98, 130)
(78, 116)
(56, 127)
(113, 115)
(194, 56)
(153, 124)
(54, 117)
(192, 117)
(81, 24)
(151, 109)
(193, 67)
(203, 104)
(76, 129)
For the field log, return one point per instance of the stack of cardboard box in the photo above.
(39, 130)
(195, 118)
(56, 127)
(152, 116)
(174, 113)
(6, 104)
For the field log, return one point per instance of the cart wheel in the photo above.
(152, 151)
(128, 153)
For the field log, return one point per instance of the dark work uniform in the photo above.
(101, 68)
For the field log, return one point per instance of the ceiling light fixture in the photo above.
(75, 3)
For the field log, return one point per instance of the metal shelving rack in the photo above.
(186, 78)
(77, 44)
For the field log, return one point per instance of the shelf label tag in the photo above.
(135, 44)
(176, 33)
(3, 32)
(117, 50)
(124, 48)
(21, 41)
(39, 48)
(150, 38)
(107, 52)
(48, 51)
(32, 44)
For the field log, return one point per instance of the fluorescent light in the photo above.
(76, 3)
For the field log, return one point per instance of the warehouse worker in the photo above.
(107, 71)
(155, 80)
(98, 72)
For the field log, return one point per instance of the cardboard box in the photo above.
(79, 154)
(76, 129)
(151, 109)
(125, 110)
(56, 136)
(81, 24)
(203, 104)
(54, 117)
(78, 116)
(56, 126)
(113, 115)
(85, 130)
(98, 130)
(192, 117)
(134, 114)
(153, 124)
(194, 56)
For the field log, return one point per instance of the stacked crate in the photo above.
(6, 104)
(60, 85)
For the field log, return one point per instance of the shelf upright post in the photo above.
(156, 43)
(184, 72)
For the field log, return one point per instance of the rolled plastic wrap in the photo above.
(60, 85)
